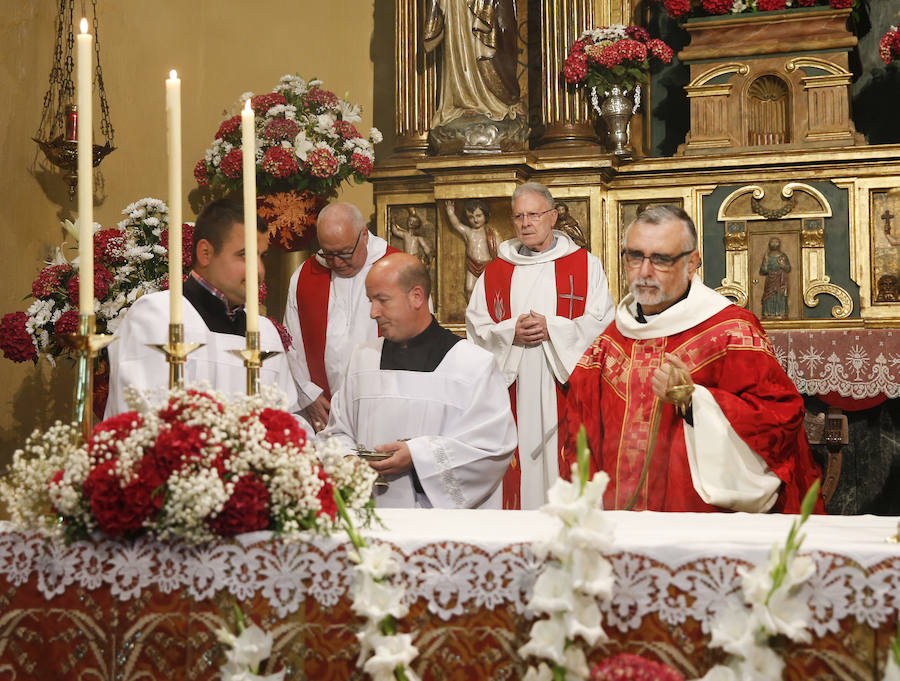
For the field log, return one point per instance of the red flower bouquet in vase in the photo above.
(612, 62)
(307, 145)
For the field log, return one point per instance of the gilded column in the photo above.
(414, 76)
(565, 116)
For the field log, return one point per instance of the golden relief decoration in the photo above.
(769, 229)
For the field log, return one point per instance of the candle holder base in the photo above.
(176, 352)
(253, 359)
(86, 345)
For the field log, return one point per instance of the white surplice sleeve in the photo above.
(307, 391)
(495, 337)
(569, 338)
(463, 466)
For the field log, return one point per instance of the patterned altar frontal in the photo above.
(115, 610)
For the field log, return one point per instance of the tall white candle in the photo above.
(85, 171)
(251, 258)
(173, 143)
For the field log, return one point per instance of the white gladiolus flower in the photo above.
(377, 600)
(541, 673)
(302, 146)
(732, 630)
(719, 673)
(251, 647)
(390, 652)
(584, 620)
(377, 561)
(552, 591)
(785, 615)
(548, 640)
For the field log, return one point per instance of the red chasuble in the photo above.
(314, 281)
(731, 356)
(571, 290)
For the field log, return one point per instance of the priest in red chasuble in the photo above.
(536, 308)
(740, 443)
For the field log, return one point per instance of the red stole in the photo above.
(730, 355)
(314, 281)
(571, 294)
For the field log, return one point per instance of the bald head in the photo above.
(343, 238)
(398, 287)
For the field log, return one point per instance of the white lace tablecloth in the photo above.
(856, 363)
(677, 566)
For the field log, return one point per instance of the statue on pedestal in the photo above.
(479, 108)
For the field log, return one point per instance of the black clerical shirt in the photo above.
(213, 311)
(420, 353)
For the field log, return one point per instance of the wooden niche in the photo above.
(769, 80)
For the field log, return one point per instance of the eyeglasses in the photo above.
(531, 217)
(345, 256)
(659, 261)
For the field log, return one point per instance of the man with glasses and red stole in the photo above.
(536, 308)
(327, 312)
(685, 406)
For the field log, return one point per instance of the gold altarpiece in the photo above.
(825, 198)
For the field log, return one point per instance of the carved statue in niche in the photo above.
(565, 222)
(775, 266)
(414, 240)
(479, 108)
(481, 239)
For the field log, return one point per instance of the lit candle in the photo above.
(85, 173)
(251, 276)
(173, 142)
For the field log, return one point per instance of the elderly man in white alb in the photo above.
(431, 400)
(537, 307)
(327, 313)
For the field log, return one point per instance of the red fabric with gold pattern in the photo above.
(730, 355)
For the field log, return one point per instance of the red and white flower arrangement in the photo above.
(577, 574)
(616, 56)
(201, 467)
(683, 9)
(130, 260)
(889, 46)
(306, 140)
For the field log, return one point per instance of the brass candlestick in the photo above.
(86, 344)
(176, 351)
(253, 358)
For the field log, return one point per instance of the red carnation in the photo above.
(841, 4)
(287, 341)
(174, 446)
(279, 129)
(321, 97)
(279, 162)
(766, 5)
(717, 6)
(575, 67)
(49, 280)
(281, 427)
(634, 668)
(638, 33)
(120, 511)
(660, 50)
(232, 164)
(361, 164)
(109, 246)
(322, 163)
(187, 241)
(247, 510)
(677, 8)
(119, 427)
(228, 127)
(262, 103)
(15, 341)
(200, 173)
(102, 279)
(326, 496)
(346, 130)
(67, 323)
